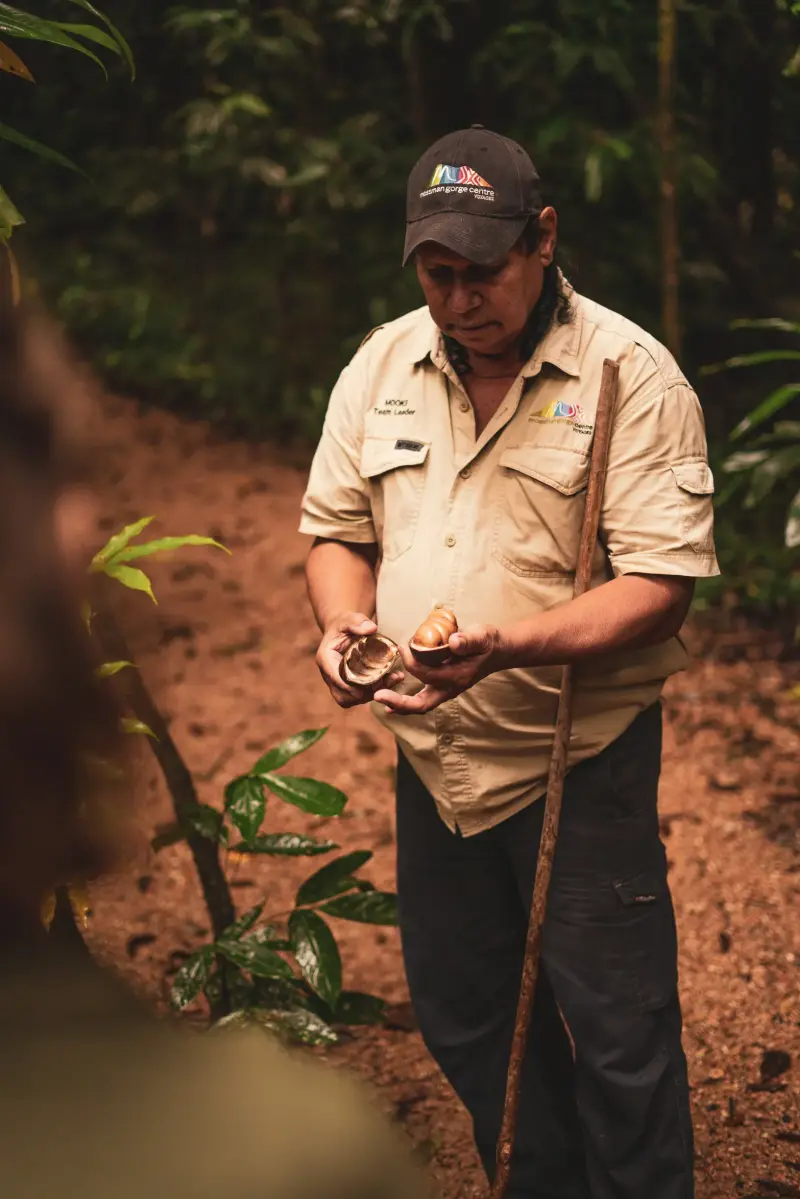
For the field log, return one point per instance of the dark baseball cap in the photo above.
(473, 191)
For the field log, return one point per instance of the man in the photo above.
(452, 469)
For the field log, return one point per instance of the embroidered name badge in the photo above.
(394, 407)
(407, 445)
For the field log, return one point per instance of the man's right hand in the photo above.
(338, 636)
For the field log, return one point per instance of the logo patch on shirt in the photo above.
(448, 178)
(407, 445)
(558, 410)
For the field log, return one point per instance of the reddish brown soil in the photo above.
(228, 653)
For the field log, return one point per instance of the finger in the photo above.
(394, 678)
(411, 705)
(358, 625)
(471, 642)
(337, 685)
(413, 666)
(346, 699)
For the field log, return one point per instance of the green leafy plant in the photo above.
(772, 456)
(69, 35)
(112, 560)
(284, 972)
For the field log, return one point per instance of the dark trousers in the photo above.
(611, 1120)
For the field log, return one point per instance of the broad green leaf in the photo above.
(10, 216)
(310, 795)
(297, 1025)
(209, 823)
(130, 724)
(243, 923)
(333, 878)
(246, 804)
(287, 994)
(192, 977)
(162, 545)
(267, 935)
(13, 64)
(28, 143)
(755, 359)
(273, 759)
(37, 29)
(260, 960)
(120, 40)
(119, 541)
(109, 669)
(355, 1007)
(317, 955)
(766, 474)
(745, 460)
(792, 535)
(91, 33)
(773, 403)
(769, 322)
(370, 907)
(285, 844)
(130, 577)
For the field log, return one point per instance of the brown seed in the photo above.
(445, 628)
(428, 635)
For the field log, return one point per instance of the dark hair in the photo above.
(56, 718)
(552, 307)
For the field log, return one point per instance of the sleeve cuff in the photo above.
(363, 533)
(683, 564)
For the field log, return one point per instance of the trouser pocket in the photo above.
(647, 940)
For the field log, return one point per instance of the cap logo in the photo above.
(459, 178)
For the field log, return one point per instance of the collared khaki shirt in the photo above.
(490, 526)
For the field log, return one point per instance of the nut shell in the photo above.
(427, 656)
(368, 660)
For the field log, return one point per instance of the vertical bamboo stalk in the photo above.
(670, 249)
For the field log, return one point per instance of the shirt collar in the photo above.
(560, 346)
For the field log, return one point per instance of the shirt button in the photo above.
(450, 541)
(464, 405)
(465, 473)
(446, 738)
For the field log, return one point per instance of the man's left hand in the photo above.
(475, 654)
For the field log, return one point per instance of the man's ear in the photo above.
(548, 235)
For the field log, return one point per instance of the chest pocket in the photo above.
(539, 509)
(395, 471)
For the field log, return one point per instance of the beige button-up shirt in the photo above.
(490, 526)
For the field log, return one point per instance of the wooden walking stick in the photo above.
(555, 785)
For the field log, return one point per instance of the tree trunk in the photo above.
(670, 251)
(180, 784)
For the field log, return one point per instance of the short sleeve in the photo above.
(657, 515)
(336, 503)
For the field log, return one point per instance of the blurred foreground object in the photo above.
(128, 1106)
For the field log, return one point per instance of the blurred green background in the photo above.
(241, 225)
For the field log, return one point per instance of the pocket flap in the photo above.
(565, 469)
(381, 454)
(694, 477)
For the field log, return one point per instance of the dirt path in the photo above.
(229, 655)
